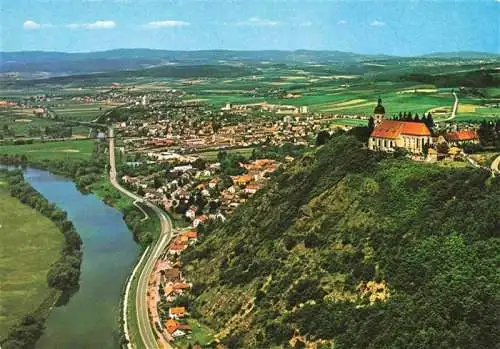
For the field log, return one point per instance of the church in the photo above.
(388, 135)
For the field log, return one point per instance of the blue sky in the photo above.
(392, 27)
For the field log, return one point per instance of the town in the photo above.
(192, 164)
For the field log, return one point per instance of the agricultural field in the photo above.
(55, 150)
(81, 111)
(30, 244)
(23, 122)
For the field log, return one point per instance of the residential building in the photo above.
(462, 137)
(176, 312)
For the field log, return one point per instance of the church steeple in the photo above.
(379, 112)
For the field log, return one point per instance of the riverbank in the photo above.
(41, 259)
(23, 281)
(90, 177)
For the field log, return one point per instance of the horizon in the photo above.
(253, 50)
(369, 28)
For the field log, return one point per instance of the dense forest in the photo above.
(355, 249)
(63, 275)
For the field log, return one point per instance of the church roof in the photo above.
(392, 129)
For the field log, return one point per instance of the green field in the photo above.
(201, 334)
(81, 112)
(30, 244)
(212, 155)
(352, 94)
(57, 150)
(349, 122)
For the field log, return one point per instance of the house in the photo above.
(176, 312)
(171, 275)
(179, 287)
(462, 137)
(252, 188)
(213, 183)
(192, 235)
(177, 247)
(176, 329)
(183, 168)
(199, 220)
(242, 180)
(191, 212)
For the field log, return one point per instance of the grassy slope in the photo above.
(59, 150)
(346, 219)
(30, 244)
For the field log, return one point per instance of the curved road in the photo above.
(145, 330)
(495, 166)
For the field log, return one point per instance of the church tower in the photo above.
(379, 112)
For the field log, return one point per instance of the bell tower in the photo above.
(379, 112)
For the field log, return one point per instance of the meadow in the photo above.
(54, 150)
(30, 244)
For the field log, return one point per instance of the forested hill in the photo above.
(358, 249)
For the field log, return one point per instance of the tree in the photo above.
(430, 121)
(63, 275)
(371, 124)
(442, 148)
(200, 164)
(323, 137)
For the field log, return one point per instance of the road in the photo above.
(145, 329)
(455, 108)
(495, 166)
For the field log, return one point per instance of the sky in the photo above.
(404, 27)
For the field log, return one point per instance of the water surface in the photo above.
(90, 319)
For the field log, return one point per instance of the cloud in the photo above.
(32, 25)
(342, 22)
(258, 22)
(377, 23)
(166, 24)
(93, 25)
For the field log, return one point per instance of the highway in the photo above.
(146, 333)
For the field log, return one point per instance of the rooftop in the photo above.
(392, 129)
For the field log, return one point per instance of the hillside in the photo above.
(358, 249)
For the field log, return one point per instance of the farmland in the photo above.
(81, 111)
(30, 244)
(413, 85)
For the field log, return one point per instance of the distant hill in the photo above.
(462, 54)
(353, 249)
(59, 63)
(40, 64)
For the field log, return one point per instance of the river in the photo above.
(90, 319)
